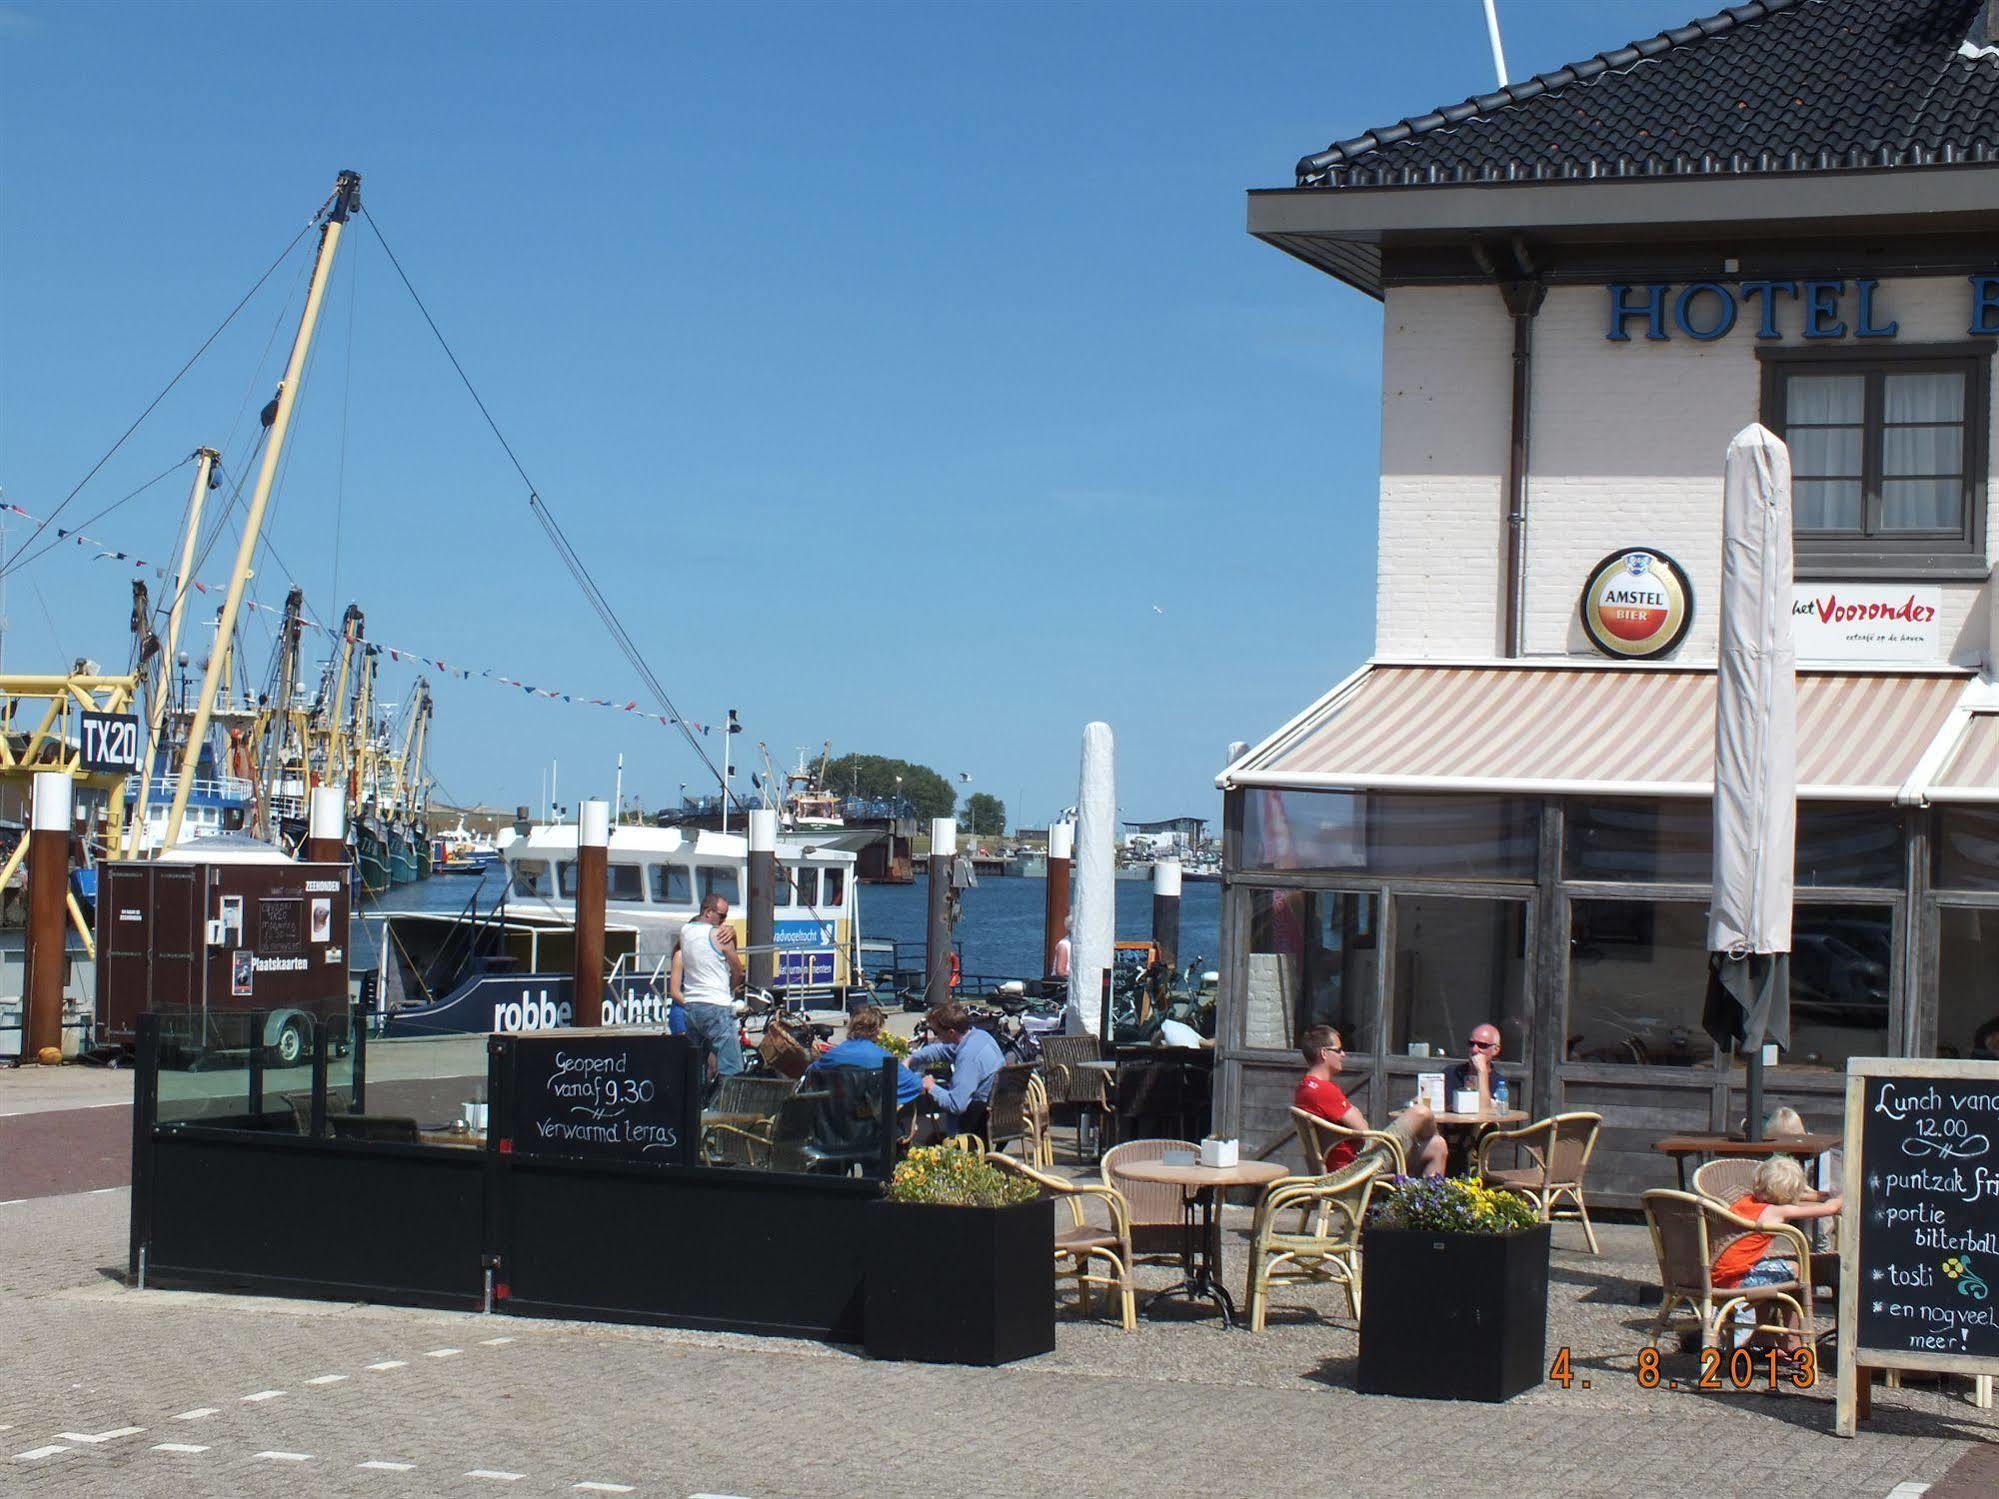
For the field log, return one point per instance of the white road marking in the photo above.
(603, 1488)
(444, 1353)
(1908, 1490)
(393, 1363)
(494, 1473)
(287, 1457)
(102, 1436)
(327, 1379)
(388, 1467)
(200, 1412)
(262, 1395)
(122, 1103)
(38, 1453)
(177, 1447)
(493, 1342)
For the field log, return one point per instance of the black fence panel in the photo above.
(738, 1251)
(289, 1214)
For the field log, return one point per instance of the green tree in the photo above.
(987, 813)
(882, 778)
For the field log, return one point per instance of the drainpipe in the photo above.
(1523, 298)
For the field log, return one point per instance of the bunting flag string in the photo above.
(396, 653)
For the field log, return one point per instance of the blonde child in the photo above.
(1779, 1195)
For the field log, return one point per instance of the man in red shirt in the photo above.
(1325, 1054)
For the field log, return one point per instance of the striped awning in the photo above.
(1555, 730)
(1972, 772)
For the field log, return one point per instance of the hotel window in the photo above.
(1887, 457)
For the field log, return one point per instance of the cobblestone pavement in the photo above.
(105, 1389)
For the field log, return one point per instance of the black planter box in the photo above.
(960, 1285)
(1453, 1316)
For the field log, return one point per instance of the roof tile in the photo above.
(1772, 85)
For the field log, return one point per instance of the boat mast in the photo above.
(205, 460)
(274, 717)
(361, 733)
(401, 782)
(346, 198)
(334, 769)
(413, 795)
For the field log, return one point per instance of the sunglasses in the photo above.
(1482, 1045)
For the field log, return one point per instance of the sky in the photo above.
(903, 373)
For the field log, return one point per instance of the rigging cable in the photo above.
(192, 358)
(592, 594)
(22, 557)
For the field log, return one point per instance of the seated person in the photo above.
(975, 1060)
(1779, 1195)
(1480, 1075)
(861, 1049)
(1422, 1147)
(1784, 1123)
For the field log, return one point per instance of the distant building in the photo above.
(1173, 832)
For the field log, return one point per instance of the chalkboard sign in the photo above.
(622, 1094)
(1919, 1238)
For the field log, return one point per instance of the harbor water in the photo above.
(1000, 935)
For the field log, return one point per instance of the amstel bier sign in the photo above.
(1636, 604)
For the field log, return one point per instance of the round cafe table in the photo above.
(1201, 1248)
(1461, 1131)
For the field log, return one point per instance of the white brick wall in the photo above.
(1627, 448)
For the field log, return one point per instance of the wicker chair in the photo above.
(1726, 1181)
(1687, 1233)
(1009, 1112)
(1319, 1136)
(1157, 1210)
(1560, 1149)
(1040, 1137)
(745, 1137)
(1326, 1247)
(1083, 1241)
(1071, 1085)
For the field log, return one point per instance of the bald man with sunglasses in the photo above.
(1481, 1073)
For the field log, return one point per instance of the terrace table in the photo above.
(1802, 1147)
(1201, 1253)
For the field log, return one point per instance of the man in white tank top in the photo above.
(706, 970)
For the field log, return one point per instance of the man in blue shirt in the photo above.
(975, 1060)
(1481, 1074)
(862, 1049)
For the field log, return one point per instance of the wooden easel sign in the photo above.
(1919, 1237)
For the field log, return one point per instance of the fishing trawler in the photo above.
(466, 970)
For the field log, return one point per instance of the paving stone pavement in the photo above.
(109, 1390)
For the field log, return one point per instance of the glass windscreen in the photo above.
(1670, 841)
(835, 1118)
(1460, 962)
(1842, 966)
(1968, 983)
(1313, 959)
(1637, 982)
(1439, 837)
(1967, 849)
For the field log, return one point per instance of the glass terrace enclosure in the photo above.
(1578, 926)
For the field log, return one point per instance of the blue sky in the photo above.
(903, 372)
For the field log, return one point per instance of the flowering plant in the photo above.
(1450, 1205)
(896, 1046)
(949, 1177)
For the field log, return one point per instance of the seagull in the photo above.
(1157, 610)
(964, 775)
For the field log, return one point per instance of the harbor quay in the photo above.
(107, 1388)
